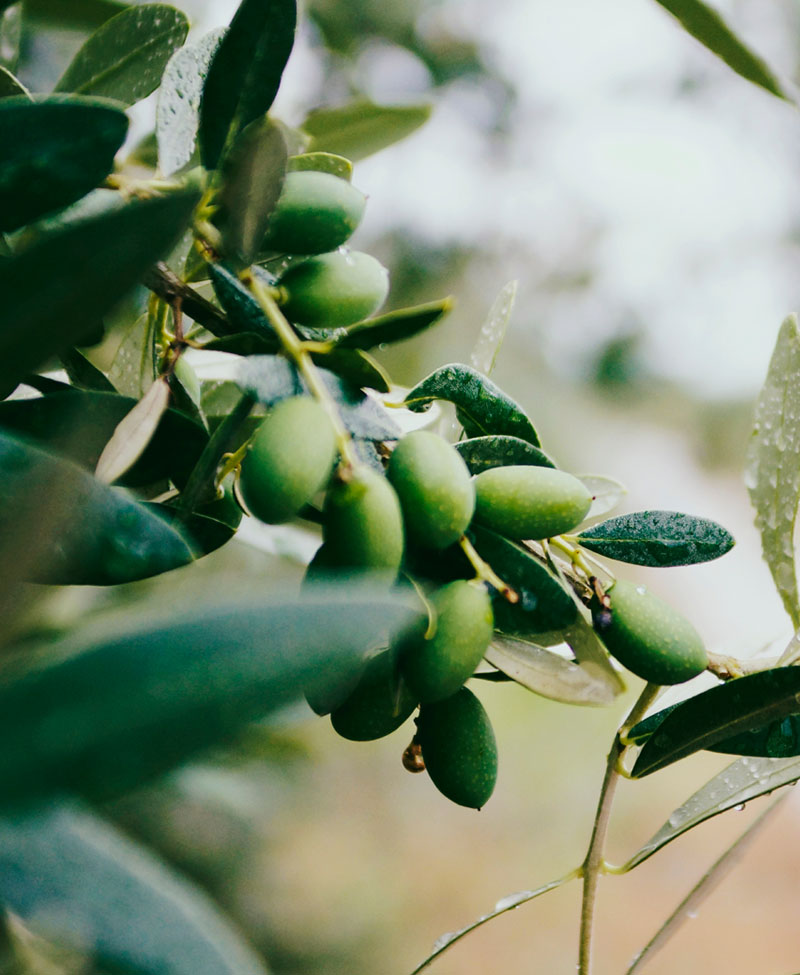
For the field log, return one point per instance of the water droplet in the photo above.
(739, 807)
(512, 900)
(642, 590)
(443, 940)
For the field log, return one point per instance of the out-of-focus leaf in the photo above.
(75, 530)
(125, 58)
(178, 109)
(83, 373)
(73, 878)
(355, 367)
(483, 408)
(321, 162)
(543, 604)
(79, 424)
(52, 153)
(252, 181)
(133, 434)
(203, 534)
(54, 288)
(362, 128)
(87, 14)
(592, 655)
(547, 673)
(705, 24)
(10, 37)
(658, 538)
(10, 85)
(482, 453)
(606, 493)
(738, 783)
(719, 714)
(396, 326)
(493, 330)
(772, 473)
(245, 72)
(119, 708)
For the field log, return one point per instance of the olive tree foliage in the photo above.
(442, 558)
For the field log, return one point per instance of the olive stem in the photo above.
(573, 552)
(296, 350)
(594, 863)
(485, 572)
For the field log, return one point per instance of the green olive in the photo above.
(316, 212)
(647, 636)
(463, 624)
(289, 459)
(530, 502)
(459, 748)
(363, 526)
(380, 703)
(334, 289)
(435, 489)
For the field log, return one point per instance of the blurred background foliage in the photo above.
(645, 199)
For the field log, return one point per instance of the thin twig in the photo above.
(167, 285)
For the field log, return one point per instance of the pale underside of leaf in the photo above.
(493, 330)
(133, 434)
(606, 493)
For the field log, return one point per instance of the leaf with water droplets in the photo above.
(493, 330)
(738, 783)
(126, 57)
(772, 472)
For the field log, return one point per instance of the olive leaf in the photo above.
(720, 714)
(658, 538)
(10, 85)
(72, 877)
(133, 434)
(483, 408)
(321, 162)
(84, 14)
(606, 493)
(125, 58)
(52, 153)
(83, 373)
(705, 24)
(395, 326)
(772, 472)
(244, 313)
(245, 72)
(483, 453)
(362, 128)
(493, 330)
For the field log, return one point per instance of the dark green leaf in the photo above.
(243, 343)
(321, 162)
(356, 367)
(252, 181)
(72, 529)
(79, 423)
(243, 311)
(88, 14)
(704, 23)
(57, 288)
(10, 85)
(658, 538)
(362, 128)
(203, 534)
(83, 373)
(719, 714)
(396, 326)
(738, 783)
(482, 406)
(52, 153)
(125, 58)
(127, 706)
(245, 72)
(482, 453)
(178, 110)
(75, 879)
(543, 604)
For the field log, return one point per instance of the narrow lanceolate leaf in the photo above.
(83, 14)
(483, 453)
(772, 473)
(10, 85)
(493, 330)
(245, 72)
(705, 24)
(55, 288)
(720, 714)
(547, 673)
(73, 878)
(658, 538)
(126, 706)
(243, 311)
(606, 493)
(591, 654)
(362, 128)
(252, 181)
(738, 783)
(73, 530)
(321, 162)
(52, 153)
(178, 109)
(85, 374)
(133, 434)
(396, 326)
(125, 58)
(483, 408)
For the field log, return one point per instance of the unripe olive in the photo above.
(435, 489)
(334, 289)
(380, 703)
(463, 624)
(316, 212)
(459, 748)
(289, 459)
(530, 502)
(647, 636)
(363, 526)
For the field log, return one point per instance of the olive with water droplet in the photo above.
(332, 290)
